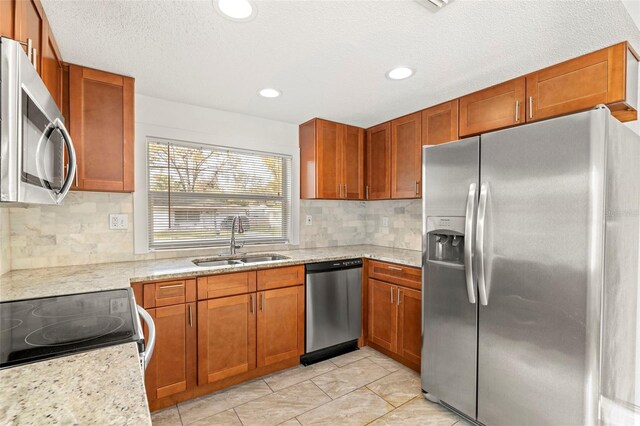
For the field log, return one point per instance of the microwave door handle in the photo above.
(71, 152)
(40, 155)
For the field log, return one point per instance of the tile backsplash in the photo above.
(77, 232)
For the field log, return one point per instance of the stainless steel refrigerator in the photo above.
(531, 272)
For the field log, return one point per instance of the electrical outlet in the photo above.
(385, 221)
(309, 221)
(118, 221)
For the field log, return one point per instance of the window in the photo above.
(195, 191)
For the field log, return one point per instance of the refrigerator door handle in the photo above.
(482, 209)
(468, 246)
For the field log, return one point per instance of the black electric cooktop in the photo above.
(36, 329)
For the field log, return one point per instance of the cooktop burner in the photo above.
(36, 329)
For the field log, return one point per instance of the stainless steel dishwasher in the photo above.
(333, 306)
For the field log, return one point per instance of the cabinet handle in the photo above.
(398, 296)
(517, 111)
(345, 190)
(172, 286)
(530, 106)
(190, 317)
(366, 190)
(395, 268)
(339, 190)
(262, 303)
(417, 188)
(77, 173)
(35, 59)
(391, 295)
(251, 303)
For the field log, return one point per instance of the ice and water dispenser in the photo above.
(445, 239)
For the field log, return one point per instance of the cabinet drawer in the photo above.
(169, 293)
(396, 274)
(226, 285)
(280, 277)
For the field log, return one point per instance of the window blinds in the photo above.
(195, 191)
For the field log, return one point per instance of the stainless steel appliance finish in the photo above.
(450, 172)
(33, 138)
(333, 303)
(525, 314)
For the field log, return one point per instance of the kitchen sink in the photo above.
(265, 258)
(221, 261)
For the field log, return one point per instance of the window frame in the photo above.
(286, 189)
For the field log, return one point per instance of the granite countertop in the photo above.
(110, 381)
(106, 386)
(30, 283)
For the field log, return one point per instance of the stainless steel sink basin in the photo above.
(221, 261)
(265, 258)
(207, 263)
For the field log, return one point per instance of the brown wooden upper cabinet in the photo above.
(331, 160)
(101, 119)
(378, 181)
(608, 76)
(25, 20)
(406, 156)
(494, 108)
(440, 123)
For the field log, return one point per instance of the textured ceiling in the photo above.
(329, 58)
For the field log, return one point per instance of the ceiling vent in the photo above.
(434, 5)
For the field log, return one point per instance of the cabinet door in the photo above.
(378, 162)
(440, 123)
(8, 18)
(329, 159)
(280, 325)
(173, 365)
(409, 324)
(29, 25)
(493, 108)
(578, 84)
(353, 163)
(382, 314)
(101, 112)
(226, 337)
(52, 67)
(405, 156)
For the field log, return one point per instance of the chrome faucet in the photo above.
(232, 242)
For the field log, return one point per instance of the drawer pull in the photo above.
(395, 268)
(172, 286)
(391, 295)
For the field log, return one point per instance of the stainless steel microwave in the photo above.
(33, 139)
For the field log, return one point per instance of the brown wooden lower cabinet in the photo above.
(394, 314)
(409, 324)
(231, 334)
(173, 365)
(280, 325)
(383, 315)
(226, 337)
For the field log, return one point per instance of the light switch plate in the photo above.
(309, 220)
(385, 221)
(118, 221)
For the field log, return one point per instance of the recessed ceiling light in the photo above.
(269, 93)
(236, 10)
(399, 73)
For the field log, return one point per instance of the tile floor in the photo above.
(358, 388)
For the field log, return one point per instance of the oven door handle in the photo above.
(149, 346)
(71, 152)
